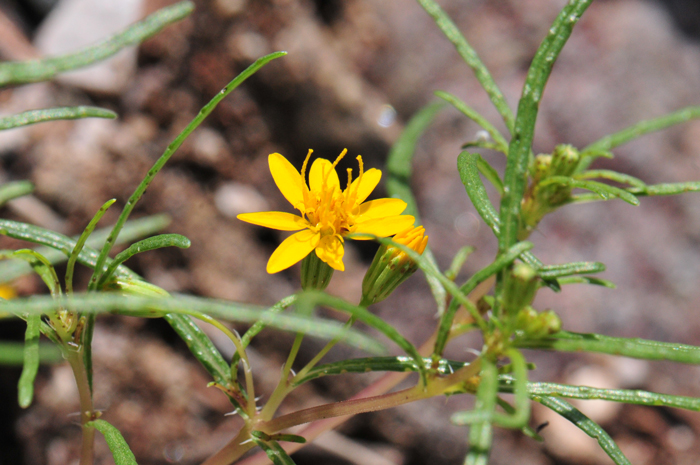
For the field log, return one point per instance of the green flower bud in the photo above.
(565, 158)
(521, 288)
(391, 266)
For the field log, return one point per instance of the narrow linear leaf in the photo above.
(94, 303)
(568, 269)
(201, 347)
(399, 167)
(565, 341)
(12, 353)
(458, 262)
(481, 432)
(25, 386)
(472, 114)
(666, 189)
(469, 174)
(586, 425)
(370, 364)
(274, 452)
(490, 174)
(42, 70)
(622, 178)
(54, 240)
(14, 189)
(53, 114)
(636, 130)
(40, 265)
(587, 280)
(605, 191)
(70, 267)
(152, 243)
(515, 178)
(627, 396)
(169, 151)
(443, 21)
(121, 453)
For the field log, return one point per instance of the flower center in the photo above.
(329, 210)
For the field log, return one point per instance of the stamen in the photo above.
(303, 167)
(305, 188)
(349, 178)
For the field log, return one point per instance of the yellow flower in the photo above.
(328, 213)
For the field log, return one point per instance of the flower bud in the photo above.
(392, 266)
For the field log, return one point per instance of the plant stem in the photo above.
(435, 387)
(75, 359)
(238, 446)
(282, 388)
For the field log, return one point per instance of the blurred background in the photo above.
(357, 70)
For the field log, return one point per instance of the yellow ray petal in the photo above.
(369, 179)
(291, 250)
(330, 249)
(275, 220)
(319, 170)
(384, 227)
(380, 208)
(288, 180)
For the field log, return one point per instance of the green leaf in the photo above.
(274, 451)
(469, 173)
(628, 396)
(470, 58)
(565, 341)
(458, 262)
(25, 387)
(201, 347)
(94, 303)
(40, 265)
(53, 114)
(14, 189)
(639, 129)
(399, 167)
(622, 178)
(59, 244)
(605, 191)
(472, 114)
(489, 173)
(117, 445)
(586, 425)
(366, 365)
(568, 269)
(481, 432)
(666, 189)
(81, 243)
(587, 280)
(169, 151)
(515, 178)
(12, 353)
(42, 70)
(54, 240)
(152, 243)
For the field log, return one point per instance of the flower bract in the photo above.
(328, 213)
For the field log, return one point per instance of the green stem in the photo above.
(282, 388)
(87, 414)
